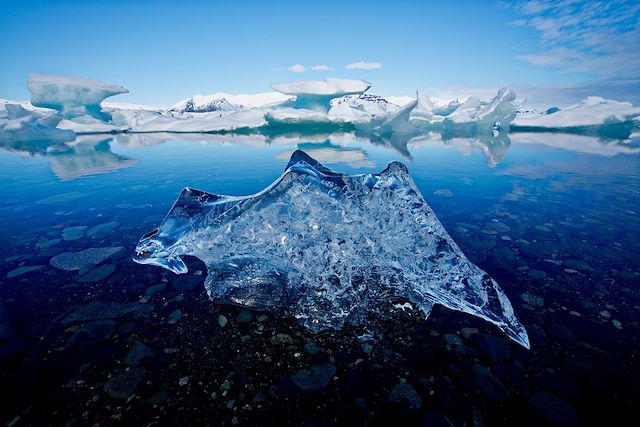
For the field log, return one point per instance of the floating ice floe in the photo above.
(326, 248)
(17, 124)
(413, 116)
(497, 113)
(593, 115)
(317, 94)
(71, 96)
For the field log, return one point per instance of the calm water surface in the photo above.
(554, 218)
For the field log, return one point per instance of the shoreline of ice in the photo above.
(75, 107)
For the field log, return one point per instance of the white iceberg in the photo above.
(327, 248)
(17, 124)
(497, 113)
(317, 94)
(591, 115)
(416, 115)
(201, 122)
(422, 115)
(71, 96)
(376, 107)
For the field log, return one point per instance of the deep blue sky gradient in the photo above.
(163, 51)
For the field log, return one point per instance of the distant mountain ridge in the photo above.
(222, 101)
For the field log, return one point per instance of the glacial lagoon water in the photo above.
(553, 218)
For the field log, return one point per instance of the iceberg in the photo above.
(496, 114)
(317, 94)
(592, 115)
(374, 106)
(200, 122)
(17, 124)
(71, 96)
(327, 248)
(415, 116)
(422, 115)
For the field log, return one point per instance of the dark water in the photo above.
(553, 218)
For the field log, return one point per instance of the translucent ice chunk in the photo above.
(326, 247)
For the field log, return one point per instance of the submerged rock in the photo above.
(101, 229)
(152, 290)
(93, 332)
(316, 379)
(73, 233)
(489, 385)
(125, 384)
(494, 347)
(404, 394)
(138, 354)
(103, 310)
(324, 247)
(98, 273)
(70, 261)
(23, 270)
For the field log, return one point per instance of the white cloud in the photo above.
(297, 68)
(321, 67)
(596, 37)
(363, 65)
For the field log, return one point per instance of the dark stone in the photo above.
(152, 290)
(585, 305)
(98, 273)
(561, 332)
(553, 409)
(311, 349)
(187, 283)
(494, 347)
(103, 310)
(93, 332)
(125, 384)
(316, 379)
(139, 354)
(174, 317)
(577, 264)
(489, 384)
(405, 395)
(245, 316)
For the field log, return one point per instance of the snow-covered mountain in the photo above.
(227, 102)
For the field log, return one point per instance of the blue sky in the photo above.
(549, 51)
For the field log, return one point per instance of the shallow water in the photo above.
(553, 218)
